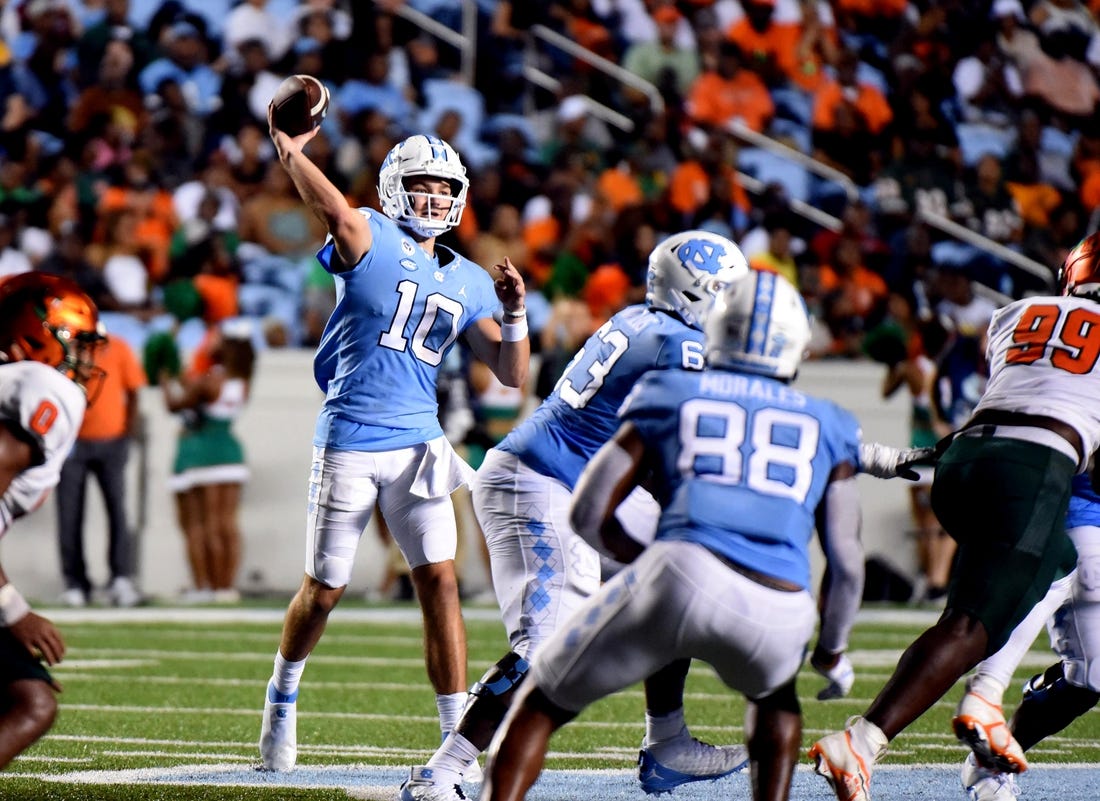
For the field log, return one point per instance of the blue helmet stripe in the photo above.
(761, 313)
(439, 151)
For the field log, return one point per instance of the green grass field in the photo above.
(150, 691)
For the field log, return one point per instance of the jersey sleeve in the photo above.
(846, 436)
(45, 409)
(483, 298)
(328, 249)
(647, 402)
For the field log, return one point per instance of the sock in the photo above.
(869, 736)
(664, 727)
(455, 755)
(450, 710)
(988, 688)
(285, 678)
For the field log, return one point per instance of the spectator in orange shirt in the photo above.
(154, 215)
(102, 449)
(771, 48)
(619, 186)
(854, 296)
(705, 184)
(606, 291)
(729, 93)
(867, 100)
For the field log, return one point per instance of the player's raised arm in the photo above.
(350, 230)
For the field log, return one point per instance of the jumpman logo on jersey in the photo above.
(700, 254)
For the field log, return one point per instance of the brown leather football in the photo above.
(299, 104)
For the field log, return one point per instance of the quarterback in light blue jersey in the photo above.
(402, 303)
(741, 464)
(541, 570)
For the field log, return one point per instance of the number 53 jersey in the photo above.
(1043, 355)
(741, 463)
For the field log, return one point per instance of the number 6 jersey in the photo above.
(743, 463)
(1043, 356)
(43, 408)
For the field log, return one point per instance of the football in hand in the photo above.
(299, 104)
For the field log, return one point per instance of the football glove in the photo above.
(884, 461)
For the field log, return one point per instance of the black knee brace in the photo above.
(1050, 704)
(490, 698)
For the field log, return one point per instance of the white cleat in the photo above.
(981, 724)
(422, 786)
(985, 784)
(279, 732)
(840, 676)
(845, 759)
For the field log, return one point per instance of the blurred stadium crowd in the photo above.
(134, 155)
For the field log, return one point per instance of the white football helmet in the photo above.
(428, 156)
(758, 325)
(688, 270)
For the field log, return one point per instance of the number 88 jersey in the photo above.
(1043, 356)
(741, 463)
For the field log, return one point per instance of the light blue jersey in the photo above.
(398, 312)
(560, 437)
(743, 462)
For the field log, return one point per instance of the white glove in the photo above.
(884, 461)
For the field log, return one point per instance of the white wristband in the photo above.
(514, 332)
(13, 606)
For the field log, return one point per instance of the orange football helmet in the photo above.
(49, 319)
(1080, 272)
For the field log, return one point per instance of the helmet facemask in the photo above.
(419, 158)
(50, 320)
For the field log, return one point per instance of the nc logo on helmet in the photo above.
(700, 254)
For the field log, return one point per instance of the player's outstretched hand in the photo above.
(40, 637)
(909, 458)
(509, 286)
(884, 461)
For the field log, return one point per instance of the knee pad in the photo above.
(500, 681)
(333, 572)
(1088, 578)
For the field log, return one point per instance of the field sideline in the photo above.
(164, 703)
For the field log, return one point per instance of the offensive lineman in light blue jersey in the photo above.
(541, 569)
(741, 465)
(402, 302)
